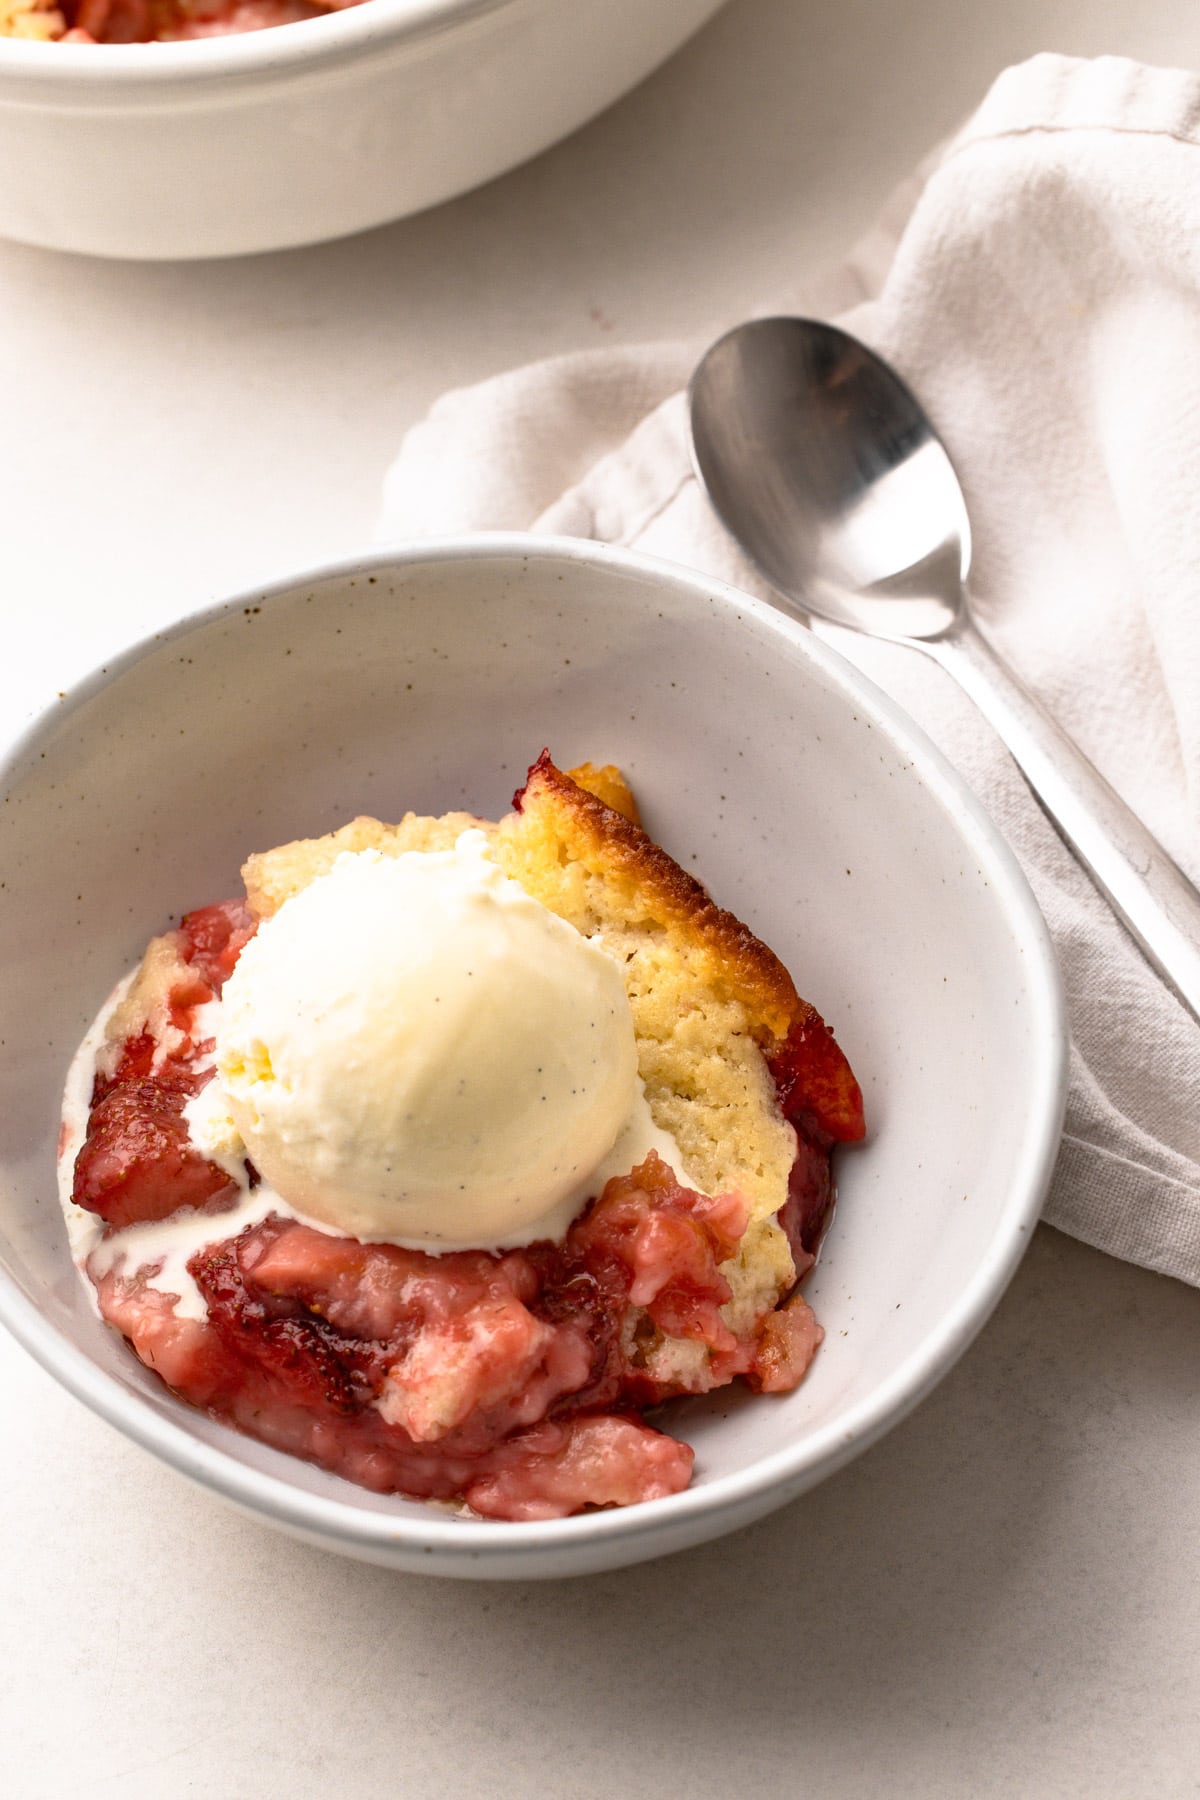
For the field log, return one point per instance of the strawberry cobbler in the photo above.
(454, 1147)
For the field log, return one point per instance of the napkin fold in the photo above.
(1037, 282)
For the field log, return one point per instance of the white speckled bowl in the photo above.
(251, 142)
(811, 806)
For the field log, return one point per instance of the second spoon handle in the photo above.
(1151, 896)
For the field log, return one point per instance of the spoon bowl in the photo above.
(854, 508)
(824, 467)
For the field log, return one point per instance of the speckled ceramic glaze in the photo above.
(430, 679)
(255, 141)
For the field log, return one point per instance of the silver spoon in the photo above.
(824, 467)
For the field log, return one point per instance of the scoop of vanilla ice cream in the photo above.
(414, 1048)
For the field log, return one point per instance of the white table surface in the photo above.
(1000, 1599)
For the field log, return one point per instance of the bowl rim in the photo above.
(76, 72)
(451, 1544)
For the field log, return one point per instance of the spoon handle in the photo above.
(1151, 896)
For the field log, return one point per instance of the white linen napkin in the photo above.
(1038, 283)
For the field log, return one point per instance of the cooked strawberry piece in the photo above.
(215, 937)
(136, 1063)
(823, 1102)
(308, 1361)
(186, 1353)
(362, 1289)
(361, 1447)
(138, 1162)
(494, 1354)
(671, 1253)
(788, 1339)
(816, 1085)
(174, 1074)
(805, 1213)
(140, 1061)
(571, 1295)
(723, 1217)
(380, 1290)
(659, 1243)
(557, 1469)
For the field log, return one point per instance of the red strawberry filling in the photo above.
(822, 1101)
(138, 1161)
(214, 938)
(513, 1381)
